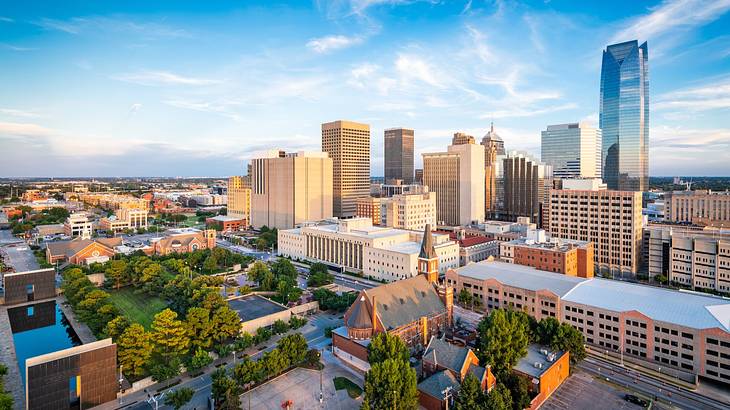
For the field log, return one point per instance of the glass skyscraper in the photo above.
(624, 116)
(573, 150)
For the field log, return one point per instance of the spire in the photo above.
(491, 128)
(427, 250)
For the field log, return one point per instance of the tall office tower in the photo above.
(348, 144)
(585, 211)
(624, 116)
(460, 139)
(523, 183)
(457, 178)
(399, 155)
(493, 146)
(288, 189)
(239, 198)
(573, 150)
(418, 179)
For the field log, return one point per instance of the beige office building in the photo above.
(457, 178)
(695, 259)
(356, 245)
(239, 198)
(348, 145)
(610, 219)
(698, 207)
(288, 189)
(409, 211)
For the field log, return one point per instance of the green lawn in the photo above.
(139, 308)
(353, 390)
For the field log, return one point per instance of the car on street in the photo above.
(632, 398)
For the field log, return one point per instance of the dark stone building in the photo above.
(399, 155)
(80, 377)
(28, 286)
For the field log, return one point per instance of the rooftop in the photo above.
(435, 385)
(521, 276)
(405, 301)
(537, 361)
(445, 354)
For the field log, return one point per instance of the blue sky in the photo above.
(177, 88)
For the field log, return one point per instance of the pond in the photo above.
(39, 329)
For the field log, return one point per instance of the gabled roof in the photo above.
(445, 354)
(435, 385)
(405, 301)
(74, 246)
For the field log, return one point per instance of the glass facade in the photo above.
(624, 116)
(573, 150)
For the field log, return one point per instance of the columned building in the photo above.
(348, 145)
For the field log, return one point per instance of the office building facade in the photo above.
(573, 150)
(700, 207)
(348, 145)
(624, 116)
(572, 258)
(398, 155)
(522, 184)
(493, 147)
(290, 189)
(457, 178)
(239, 198)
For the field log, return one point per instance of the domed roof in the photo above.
(359, 317)
(491, 135)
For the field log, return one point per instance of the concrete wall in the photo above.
(43, 281)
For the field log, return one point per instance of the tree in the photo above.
(179, 398)
(385, 346)
(225, 390)
(499, 398)
(294, 346)
(568, 338)
(519, 391)
(258, 271)
(502, 338)
(116, 327)
(390, 384)
(546, 330)
(199, 327)
(164, 370)
(279, 327)
(225, 323)
(275, 362)
(248, 372)
(465, 298)
(470, 395)
(117, 272)
(200, 359)
(169, 336)
(210, 264)
(135, 348)
(283, 267)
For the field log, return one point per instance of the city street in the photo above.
(651, 387)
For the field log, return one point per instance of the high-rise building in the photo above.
(399, 154)
(239, 198)
(573, 150)
(522, 185)
(493, 147)
(460, 139)
(348, 145)
(418, 179)
(624, 116)
(457, 178)
(288, 189)
(610, 219)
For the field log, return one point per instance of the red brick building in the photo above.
(226, 223)
(184, 240)
(82, 251)
(544, 370)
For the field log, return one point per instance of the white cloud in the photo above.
(201, 106)
(671, 16)
(522, 112)
(6, 19)
(164, 78)
(708, 96)
(413, 67)
(16, 48)
(18, 113)
(77, 25)
(323, 45)
(134, 109)
(23, 129)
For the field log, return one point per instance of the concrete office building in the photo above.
(407, 211)
(493, 147)
(612, 220)
(695, 259)
(239, 198)
(357, 246)
(460, 139)
(686, 334)
(398, 154)
(79, 225)
(457, 178)
(348, 145)
(523, 184)
(288, 189)
(624, 116)
(573, 150)
(700, 207)
(572, 258)
(397, 187)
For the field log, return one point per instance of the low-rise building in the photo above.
(369, 207)
(569, 257)
(33, 195)
(545, 371)
(125, 218)
(82, 251)
(686, 333)
(701, 207)
(78, 224)
(226, 223)
(356, 245)
(474, 247)
(182, 240)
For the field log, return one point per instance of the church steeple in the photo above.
(428, 262)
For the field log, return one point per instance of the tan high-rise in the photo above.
(239, 198)
(348, 144)
(457, 178)
(290, 189)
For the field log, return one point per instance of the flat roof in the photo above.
(520, 276)
(404, 247)
(71, 351)
(28, 271)
(252, 307)
(537, 362)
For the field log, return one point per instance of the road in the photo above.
(649, 386)
(313, 332)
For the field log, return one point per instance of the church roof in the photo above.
(427, 250)
(359, 316)
(405, 301)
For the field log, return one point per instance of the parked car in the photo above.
(631, 398)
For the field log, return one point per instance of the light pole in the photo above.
(154, 401)
(121, 380)
(447, 395)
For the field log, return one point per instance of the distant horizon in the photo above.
(227, 176)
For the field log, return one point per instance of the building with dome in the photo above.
(493, 147)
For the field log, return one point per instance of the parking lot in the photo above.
(582, 391)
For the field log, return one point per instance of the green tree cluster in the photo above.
(329, 300)
(92, 305)
(391, 382)
(319, 275)
(6, 400)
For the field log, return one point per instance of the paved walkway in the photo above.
(12, 380)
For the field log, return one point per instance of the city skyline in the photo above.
(178, 90)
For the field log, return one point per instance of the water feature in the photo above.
(38, 329)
